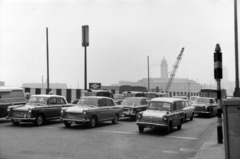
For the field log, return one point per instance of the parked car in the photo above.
(182, 97)
(90, 110)
(10, 96)
(205, 105)
(38, 109)
(133, 105)
(193, 99)
(188, 110)
(162, 112)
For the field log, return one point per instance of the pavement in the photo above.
(211, 149)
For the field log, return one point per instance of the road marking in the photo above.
(168, 151)
(119, 132)
(51, 127)
(179, 137)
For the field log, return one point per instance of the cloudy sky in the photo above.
(122, 33)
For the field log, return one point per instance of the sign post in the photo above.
(218, 77)
(85, 43)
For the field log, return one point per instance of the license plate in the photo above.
(149, 126)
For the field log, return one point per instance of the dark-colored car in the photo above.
(90, 110)
(133, 105)
(162, 112)
(38, 109)
(10, 96)
(205, 105)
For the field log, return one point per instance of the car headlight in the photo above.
(164, 118)
(62, 111)
(84, 112)
(29, 110)
(139, 115)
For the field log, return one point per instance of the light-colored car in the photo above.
(162, 112)
(133, 105)
(193, 99)
(182, 97)
(205, 105)
(90, 110)
(38, 109)
(188, 110)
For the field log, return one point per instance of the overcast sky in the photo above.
(122, 33)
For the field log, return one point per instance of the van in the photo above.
(10, 96)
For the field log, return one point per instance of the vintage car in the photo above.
(205, 105)
(133, 105)
(90, 110)
(188, 110)
(38, 109)
(10, 96)
(162, 112)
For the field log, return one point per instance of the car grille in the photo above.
(73, 116)
(19, 114)
(152, 120)
(198, 108)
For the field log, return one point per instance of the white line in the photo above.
(50, 127)
(179, 137)
(119, 132)
(167, 151)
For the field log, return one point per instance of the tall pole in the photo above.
(236, 92)
(85, 85)
(148, 76)
(47, 62)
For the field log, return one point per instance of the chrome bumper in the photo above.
(75, 120)
(21, 119)
(151, 124)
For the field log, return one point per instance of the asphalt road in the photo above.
(107, 141)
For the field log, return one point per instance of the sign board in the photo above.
(94, 85)
(85, 35)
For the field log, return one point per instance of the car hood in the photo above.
(154, 113)
(27, 107)
(200, 105)
(78, 109)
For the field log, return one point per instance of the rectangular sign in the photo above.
(94, 85)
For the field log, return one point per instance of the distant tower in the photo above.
(164, 68)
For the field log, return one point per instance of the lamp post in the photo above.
(236, 92)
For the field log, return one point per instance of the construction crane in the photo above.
(174, 70)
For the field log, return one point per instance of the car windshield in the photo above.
(37, 100)
(88, 101)
(131, 101)
(203, 101)
(163, 106)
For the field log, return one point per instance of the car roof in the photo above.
(9, 89)
(137, 97)
(133, 92)
(96, 97)
(46, 95)
(206, 97)
(167, 99)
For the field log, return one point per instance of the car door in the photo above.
(102, 109)
(51, 110)
(179, 112)
(186, 109)
(60, 104)
(111, 109)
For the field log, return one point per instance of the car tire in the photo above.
(169, 128)
(93, 122)
(211, 113)
(67, 124)
(39, 120)
(15, 122)
(115, 119)
(192, 117)
(141, 129)
(179, 127)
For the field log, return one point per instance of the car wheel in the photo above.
(93, 122)
(192, 117)
(15, 122)
(39, 120)
(67, 124)
(211, 113)
(115, 119)
(169, 128)
(140, 128)
(180, 126)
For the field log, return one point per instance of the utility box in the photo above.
(231, 121)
